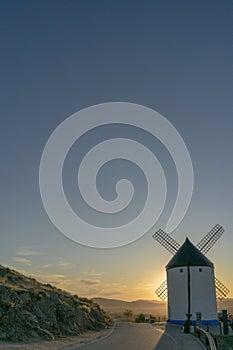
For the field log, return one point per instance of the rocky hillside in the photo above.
(29, 309)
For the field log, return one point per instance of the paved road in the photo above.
(127, 336)
(134, 336)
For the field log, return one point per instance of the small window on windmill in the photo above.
(181, 270)
(200, 269)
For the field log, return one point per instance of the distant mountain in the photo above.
(29, 309)
(153, 307)
(226, 304)
(115, 306)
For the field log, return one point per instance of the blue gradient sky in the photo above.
(58, 57)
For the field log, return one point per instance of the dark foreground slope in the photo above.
(29, 309)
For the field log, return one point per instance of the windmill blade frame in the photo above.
(221, 290)
(161, 291)
(166, 241)
(210, 239)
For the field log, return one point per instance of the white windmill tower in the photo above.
(191, 286)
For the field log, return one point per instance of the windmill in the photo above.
(196, 290)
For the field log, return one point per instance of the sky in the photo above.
(58, 57)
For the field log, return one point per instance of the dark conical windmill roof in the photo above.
(188, 254)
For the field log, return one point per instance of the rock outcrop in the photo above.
(29, 309)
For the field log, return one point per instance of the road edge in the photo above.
(94, 341)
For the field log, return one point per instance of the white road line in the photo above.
(95, 341)
(203, 347)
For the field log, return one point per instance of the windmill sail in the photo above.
(221, 290)
(167, 241)
(162, 291)
(210, 239)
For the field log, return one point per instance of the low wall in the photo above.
(224, 342)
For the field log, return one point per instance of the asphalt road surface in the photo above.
(127, 336)
(139, 336)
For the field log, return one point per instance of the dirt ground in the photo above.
(58, 344)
